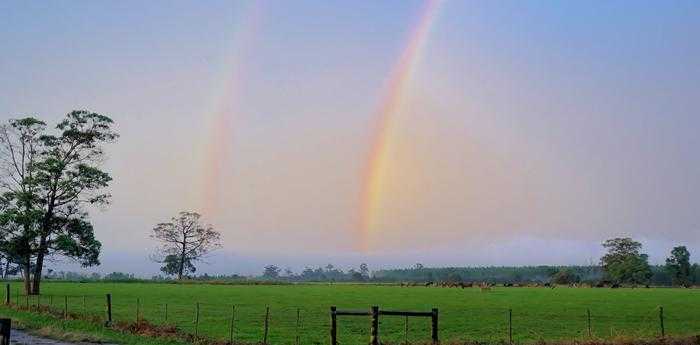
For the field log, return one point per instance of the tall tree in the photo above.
(49, 181)
(364, 270)
(624, 262)
(20, 148)
(678, 265)
(183, 241)
(271, 272)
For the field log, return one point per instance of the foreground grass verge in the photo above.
(76, 330)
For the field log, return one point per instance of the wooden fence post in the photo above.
(405, 330)
(166, 312)
(138, 311)
(109, 310)
(435, 326)
(296, 338)
(65, 307)
(5, 331)
(334, 327)
(267, 324)
(588, 312)
(233, 319)
(510, 326)
(661, 321)
(196, 321)
(374, 330)
(7, 294)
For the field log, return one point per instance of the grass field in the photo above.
(465, 314)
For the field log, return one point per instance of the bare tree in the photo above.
(183, 241)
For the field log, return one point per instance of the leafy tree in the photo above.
(171, 266)
(565, 276)
(624, 263)
(48, 181)
(364, 271)
(183, 241)
(271, 272)
(678, 265)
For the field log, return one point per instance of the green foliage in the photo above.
(51, 178)
(566, 276)
(624, 263)
(453, 277)
(678, 265)
(118, 276)
(171, 266)
(271, 272)
(499, 275)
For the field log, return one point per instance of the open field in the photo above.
(465, 314)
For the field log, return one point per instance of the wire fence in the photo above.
(294, 325)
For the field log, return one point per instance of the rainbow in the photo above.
(389, 107)
(218, 148)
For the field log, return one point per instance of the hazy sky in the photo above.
(526, 132)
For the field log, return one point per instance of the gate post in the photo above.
(434, 319)
(109, 310)
(5, 330)
(374, 331)
(334, 327)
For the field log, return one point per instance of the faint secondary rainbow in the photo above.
(218, 150)
(390, 105)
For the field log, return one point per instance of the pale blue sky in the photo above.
(550, 124)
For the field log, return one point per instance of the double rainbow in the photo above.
(218, 149)
(389, 107)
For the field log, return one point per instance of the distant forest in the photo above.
(418, 274)
(517, 275)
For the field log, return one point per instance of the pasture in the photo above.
(464, 314)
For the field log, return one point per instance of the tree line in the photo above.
(624, 263)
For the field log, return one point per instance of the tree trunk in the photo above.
(39, 267)
(36, 282)
(26, 267)
(182, 262)
(43, 246)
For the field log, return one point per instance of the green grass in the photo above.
(76, 330)
(465, 314)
